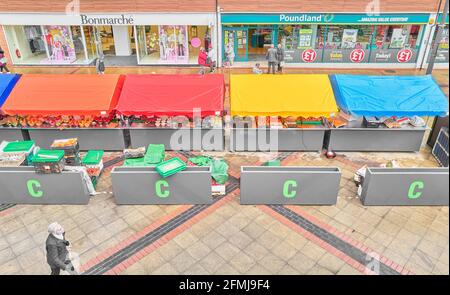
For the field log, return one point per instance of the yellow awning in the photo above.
(282, 95)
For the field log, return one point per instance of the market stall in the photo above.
(8, 131)
(405, 187)
(190, 186)
(289, 185)
(383, 113)
(279, 112)
(31, 175)
(53, 107)
(183, 112)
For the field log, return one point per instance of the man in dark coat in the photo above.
(57, 254)
(280, 56)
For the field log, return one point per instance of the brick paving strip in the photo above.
(143, 243)
(347, 249)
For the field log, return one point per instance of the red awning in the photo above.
(47, 95)
(172, 95)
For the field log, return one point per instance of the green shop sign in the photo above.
(322, 18)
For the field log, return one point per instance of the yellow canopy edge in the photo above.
(282, 95)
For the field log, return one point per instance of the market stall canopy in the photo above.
(7, 83)
(172, 95)
(389, 95)
(282, 95)
(47, 95)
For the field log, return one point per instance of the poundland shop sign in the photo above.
(321, 18)
(116, 20)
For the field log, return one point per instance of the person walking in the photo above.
(280, 55)
(56, 247)
(3, 61)
(229, 54)
(212, 60)
(202, 60)
(272, 58)
(100, 65)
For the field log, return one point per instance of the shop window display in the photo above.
(396, 43)
(169, 44)
(53, 44)
(442, 52)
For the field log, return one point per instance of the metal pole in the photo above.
(435, 46)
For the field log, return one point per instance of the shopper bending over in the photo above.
(272, 58)
(202, 60)
(257, 69)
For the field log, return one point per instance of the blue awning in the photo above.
(7, 82)
(389, 95)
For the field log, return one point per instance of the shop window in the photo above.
(296, 36)
(52, 44)
(397, 37)
(168, 44)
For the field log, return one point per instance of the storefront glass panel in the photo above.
(442, 52)
(46, 45)
(170, 44)
(396, 44)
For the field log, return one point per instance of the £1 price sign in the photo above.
(404, 55)
(357, 55)
(309, 55)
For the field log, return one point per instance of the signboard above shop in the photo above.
(323, 18)
(116, 19)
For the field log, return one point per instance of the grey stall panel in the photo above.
(88, 138)
(185, 139)
(10, 134)
(405, 187)
(376, 139)
(143, 185)
(289, 185)
(21, 185)
(277, 139)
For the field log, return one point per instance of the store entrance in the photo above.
(250, 43)
(260, 40)
(117, 44)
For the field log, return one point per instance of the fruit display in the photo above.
(62, 121)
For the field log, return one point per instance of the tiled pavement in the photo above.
(227, 238)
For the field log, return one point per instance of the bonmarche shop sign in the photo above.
(117, 20)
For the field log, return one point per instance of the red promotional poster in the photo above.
(309, 55)
(404, 55)
(357, 55)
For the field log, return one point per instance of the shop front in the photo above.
(124, 40)
(442, 58)
(326, 38)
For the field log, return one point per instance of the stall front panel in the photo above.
(144, 186)
(61, 106)
(384, 97)
(22, 185)
(145, 97)
(295, 96)
(290, 185)
(405, 187)
(7, 83)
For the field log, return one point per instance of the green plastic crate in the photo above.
(19, 146)
(155, 153)
(93, 157)
(273, 163)
(170, 167)
(137, 162)
(48, 156)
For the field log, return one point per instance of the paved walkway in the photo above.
(227, 238)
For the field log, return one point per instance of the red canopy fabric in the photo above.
(172, 95)
(46, 95)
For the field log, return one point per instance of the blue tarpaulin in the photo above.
(7, 82)
(401, 96)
